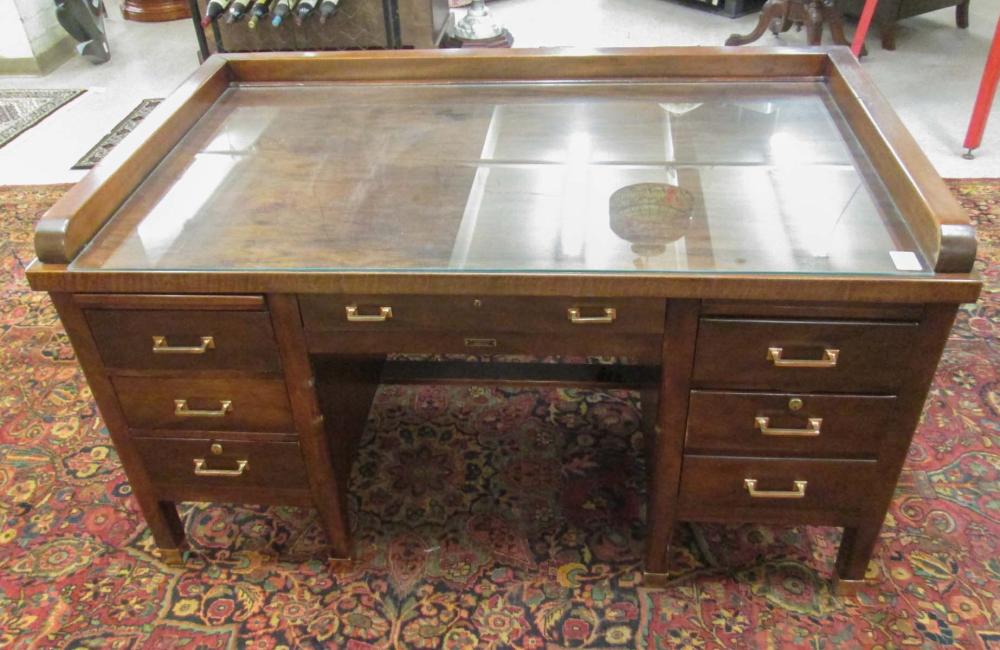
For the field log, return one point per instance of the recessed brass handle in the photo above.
(829, 359)
(384, 314)
(201, 470)
(799, 492)
(181, 409)
(764, 424)
(160, 346)
(575, 317)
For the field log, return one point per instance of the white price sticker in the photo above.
(906, 261)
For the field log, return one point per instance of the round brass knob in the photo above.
(795, 404)
(216, 448)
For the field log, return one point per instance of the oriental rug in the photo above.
(22, 109)
(484, 518)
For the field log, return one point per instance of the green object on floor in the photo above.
(117, 134)
(22, 109)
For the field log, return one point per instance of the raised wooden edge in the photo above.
(938, 222)
(529, 64)
(79, 214)
(770, 287)
(162, 302)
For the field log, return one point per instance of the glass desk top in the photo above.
(720, 177)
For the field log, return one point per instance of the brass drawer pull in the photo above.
(751, 485)
(160, 346)
(829, 359)
(181, 409)
(575, 317)
(763, 424)
(384, 314)
(201, 470)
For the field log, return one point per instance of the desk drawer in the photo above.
(469, 314)
(715, 488)
(807, 355)
(788, 424)
(204, 404)
(223, 463)
(184, 340)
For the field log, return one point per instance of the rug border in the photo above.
(76, 92)
(81, 165)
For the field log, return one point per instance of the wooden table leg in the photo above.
(773, 10)
(161, 516)
(668, 447)
(984, 99)
(328, 489)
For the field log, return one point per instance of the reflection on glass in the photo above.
(523, 177)
(650, 215)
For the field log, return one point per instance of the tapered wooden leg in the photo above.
(327, 485)
(773, 10)
(856, 547)
(160, 516)
(667, 454)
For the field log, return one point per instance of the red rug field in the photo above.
(466, 537)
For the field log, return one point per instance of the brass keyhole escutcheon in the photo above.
(795, 404)
(216, 448)
(477, 303)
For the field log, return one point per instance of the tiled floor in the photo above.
(931, 79)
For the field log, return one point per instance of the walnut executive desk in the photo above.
(752, 235)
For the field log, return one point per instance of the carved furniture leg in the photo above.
(774, 9)
(833, 18)
(665, 462)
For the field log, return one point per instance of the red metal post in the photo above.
(864, 22)
(984, 100)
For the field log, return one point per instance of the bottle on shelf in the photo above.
(302, 9)
(236, 10)
(326, 9)
(258, 11)
(213, 10)
(281, 10)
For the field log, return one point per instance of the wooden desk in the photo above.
(753, 235)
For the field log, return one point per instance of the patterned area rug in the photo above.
(117, 134)
(22, 109)
(490, 518)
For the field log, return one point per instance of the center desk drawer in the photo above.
(802, 356)
(204, 404)
(469, 314)
(222, 462)
(184, 340)
(774, 490)
(788, 424)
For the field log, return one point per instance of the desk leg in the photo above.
(328, 489)
(858, 542)
(161, 516)
(668, 447)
